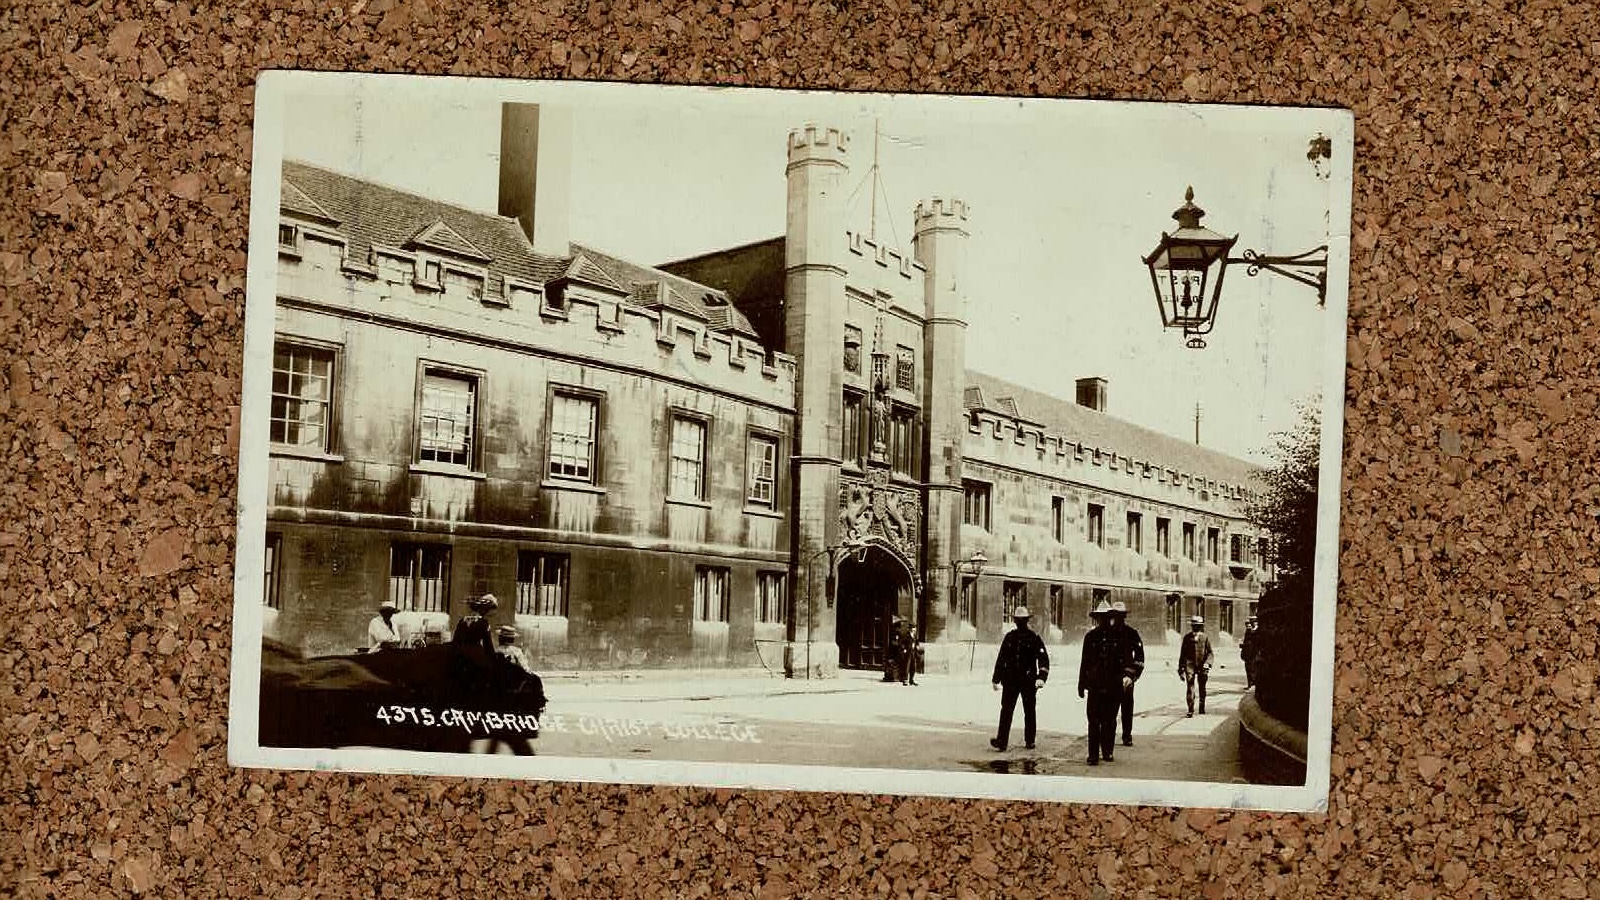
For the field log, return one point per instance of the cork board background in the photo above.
(1465, 714)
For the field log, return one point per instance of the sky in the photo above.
(1064, 199)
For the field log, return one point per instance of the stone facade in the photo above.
(758, 456)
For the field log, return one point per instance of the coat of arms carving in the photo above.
(874, 509)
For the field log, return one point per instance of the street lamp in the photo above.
(1187, 267)
(973, 564)
(836, 554)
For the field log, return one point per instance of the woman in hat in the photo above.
(381, 633)
(473, 628)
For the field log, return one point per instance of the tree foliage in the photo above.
(1286, 509)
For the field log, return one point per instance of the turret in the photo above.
(941, 247)
(815, 245)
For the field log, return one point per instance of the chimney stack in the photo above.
(1092, 393)
(536, 173)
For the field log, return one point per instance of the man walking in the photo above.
(1132, 665)
(1194, 662)
(1102, 676)
(1019, 671)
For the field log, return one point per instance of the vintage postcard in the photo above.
(952, 446)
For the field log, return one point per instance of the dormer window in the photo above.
(288, 236)
(431, 271)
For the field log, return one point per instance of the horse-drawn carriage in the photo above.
(440, 697)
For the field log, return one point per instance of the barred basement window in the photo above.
(770, 597)
(542, 583)
(1058, 605)
(710, 594)
(1014, 594)
(419, 577)
(274, 553)
(965, 611)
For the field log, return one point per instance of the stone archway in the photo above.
(871, 591)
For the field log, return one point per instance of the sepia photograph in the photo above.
(907, 444)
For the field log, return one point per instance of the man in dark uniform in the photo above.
(892, 651)
(1194, 662)
(1020, 670)
(1133, 664)
(1249, 647)
(908, 654)
(1102, 676)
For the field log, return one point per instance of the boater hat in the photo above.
(1020, 612)
(1104, 609)
(1119, 607)
(1197, 620)
(387, 604)
(506, 633)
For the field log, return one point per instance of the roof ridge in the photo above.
(363, 179)
(736, 247)
(1174, 441)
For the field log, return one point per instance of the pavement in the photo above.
(855, 719)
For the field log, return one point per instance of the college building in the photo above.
(754, 457)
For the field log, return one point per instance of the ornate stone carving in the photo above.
(872, 508)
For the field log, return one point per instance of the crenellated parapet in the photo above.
(940, 213)
(817, 142)
(582, 321)
(885, 256)
(1053, 455)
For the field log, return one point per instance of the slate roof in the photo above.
(708, 304)
(295, 200)
(1097, 429)
(369, 213)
